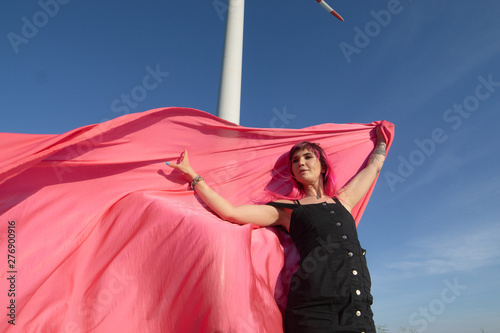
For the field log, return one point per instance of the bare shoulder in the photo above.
(285, 201)
(284, 213)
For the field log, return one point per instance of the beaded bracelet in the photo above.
(195, 181)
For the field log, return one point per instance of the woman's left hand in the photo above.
(380, 137)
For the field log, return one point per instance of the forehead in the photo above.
(302, 152)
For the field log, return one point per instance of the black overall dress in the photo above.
(330, 292)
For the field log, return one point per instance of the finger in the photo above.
(173, 165)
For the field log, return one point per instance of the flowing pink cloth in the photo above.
(110, 239)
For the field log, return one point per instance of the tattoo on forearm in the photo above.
(380, 149)
(379, 153)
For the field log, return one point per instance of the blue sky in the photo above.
(432, 227)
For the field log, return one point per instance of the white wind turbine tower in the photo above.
(228, 106)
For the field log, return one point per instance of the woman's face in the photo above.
(306, 167)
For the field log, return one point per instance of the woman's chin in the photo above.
(307, 181)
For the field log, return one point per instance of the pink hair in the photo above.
(285, 186)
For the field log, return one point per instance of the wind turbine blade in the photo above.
(329, 9)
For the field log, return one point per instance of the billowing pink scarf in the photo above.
(106, 238)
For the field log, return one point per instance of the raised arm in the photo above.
(262, 215)
(354, 191)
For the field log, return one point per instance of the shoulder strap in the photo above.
(336, 200)
(281, 205)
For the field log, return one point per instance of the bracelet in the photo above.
(195, 181)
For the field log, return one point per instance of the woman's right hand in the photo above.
(263, 215)
(184, 166)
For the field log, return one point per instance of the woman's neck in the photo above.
(315, 190)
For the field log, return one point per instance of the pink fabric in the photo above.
(109, 239)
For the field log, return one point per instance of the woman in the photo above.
(330, 292)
